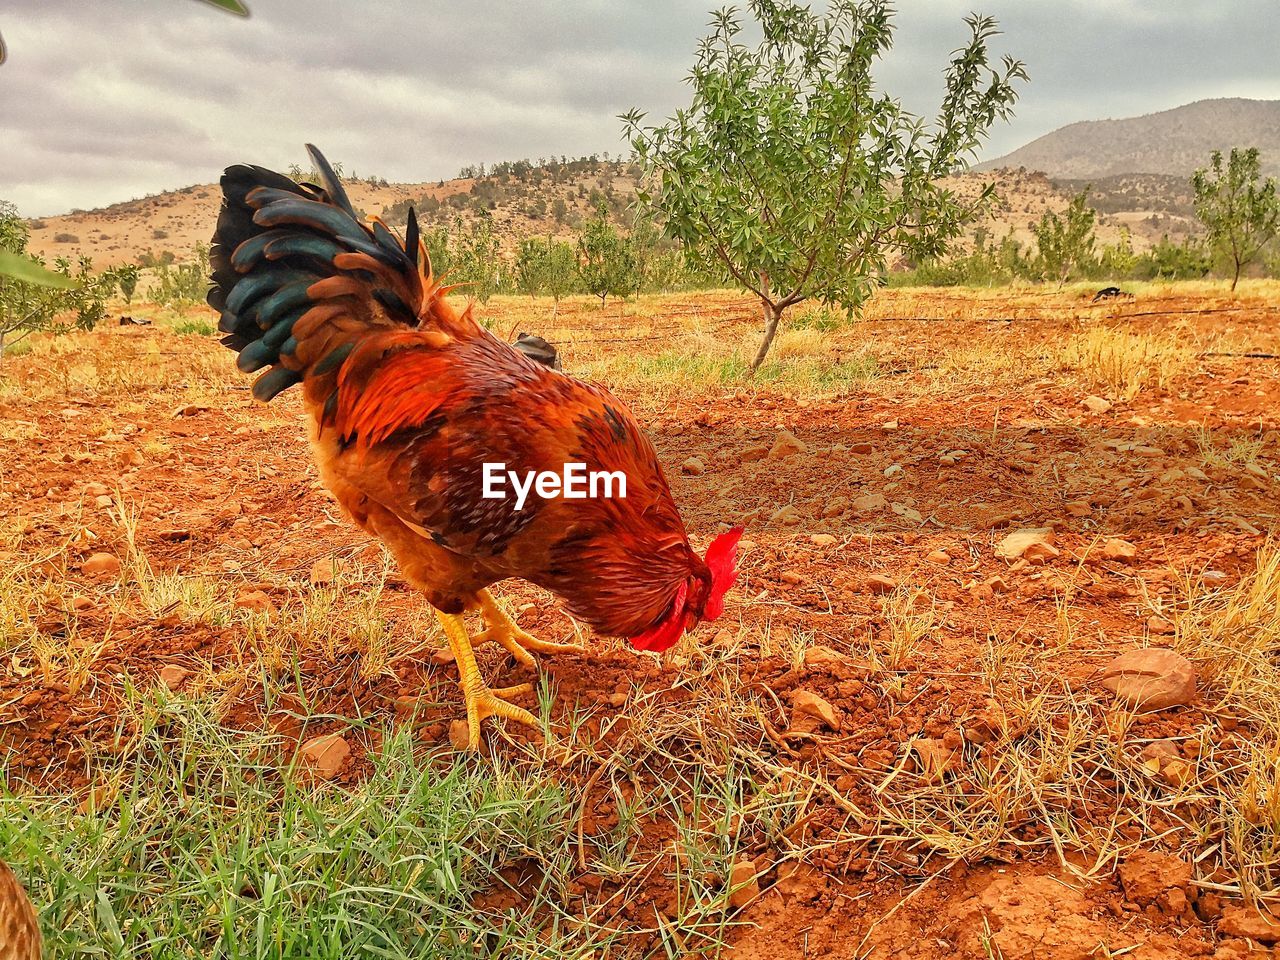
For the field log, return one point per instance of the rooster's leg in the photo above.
(501, 628)
(481, 701)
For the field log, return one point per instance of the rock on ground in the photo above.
(1153, 678)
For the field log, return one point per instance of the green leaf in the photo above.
(232, 6)
(17, 267)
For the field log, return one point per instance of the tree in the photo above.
(531, 265)
(790, 174)
(605, 263)
(476, 260)
(34, 299)
(1241, 215)
(560, 273)
(127, 276)
(1065, 243)
(546, 266)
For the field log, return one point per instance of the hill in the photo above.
(1172, 142)
(524, 200)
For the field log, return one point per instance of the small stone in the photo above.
(824, 539)
(326, 570)
(1153, 678)
(807, 707)
(889, 427)
(893, 470)
(836, 507)
(940, 557)
(744, 885)
(103, 502)
(96, 489)
(936, 758)
(786, 444)
(791, 577)
(1249, 923)
(824, 658)
(997, 584)
(324, 756)
(880, 584)
(256, 601)
(173, 676)
(786, 514)
(1213, 578)
(1034, 544)
(862, 447)
(1118, 551)
(1078, 508)
(1178, 772)
(459, 735)
(190, 409)
(870, 502)
(1147, 877)
(1095, 404)
(1161, 750)
(81, 603)
(101, 564)
(694, 467)
(1160, 627)
(751, 454)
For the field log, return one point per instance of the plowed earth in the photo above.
(224, 490)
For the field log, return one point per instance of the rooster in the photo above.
(19, 931)
(408, 399)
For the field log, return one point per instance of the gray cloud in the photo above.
(101, 102)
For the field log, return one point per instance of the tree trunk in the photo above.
(2, 336)
(772, 314)
(1235, 279)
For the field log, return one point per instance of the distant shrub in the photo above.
(200, 328)
(183, 283)
(65, 238)
(37, 224)
(150, 260)
(158, 234)
(127, 277)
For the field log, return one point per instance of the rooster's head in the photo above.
(701, 597)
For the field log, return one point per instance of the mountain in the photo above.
(1172, 142)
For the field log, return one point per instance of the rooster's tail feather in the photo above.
(298, 280)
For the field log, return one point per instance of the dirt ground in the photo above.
(870, 579)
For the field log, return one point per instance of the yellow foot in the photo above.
(502, 629)
(482, 702)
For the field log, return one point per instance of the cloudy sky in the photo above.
(112, 99)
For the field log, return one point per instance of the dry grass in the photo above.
(1122, 363)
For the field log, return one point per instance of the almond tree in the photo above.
(36, 299)
(1066, 243)
(1241, 215)
(792, 175)
(605, 264)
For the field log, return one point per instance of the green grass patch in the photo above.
(207, 847)
(202, 328)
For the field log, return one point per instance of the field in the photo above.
(225, 721)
